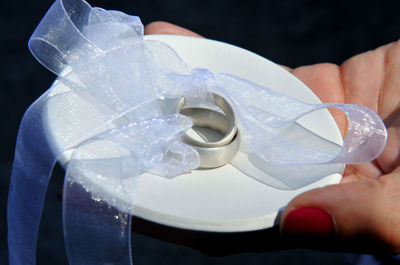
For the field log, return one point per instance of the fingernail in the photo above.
(308, 222)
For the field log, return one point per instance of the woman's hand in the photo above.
(362, 213)
(364, 208)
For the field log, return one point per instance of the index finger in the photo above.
(160, 27)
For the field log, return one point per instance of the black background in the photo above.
(291, 33)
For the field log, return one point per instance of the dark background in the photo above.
(291, 33)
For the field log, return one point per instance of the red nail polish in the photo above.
(308, 222)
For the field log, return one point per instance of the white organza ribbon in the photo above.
(101, 57)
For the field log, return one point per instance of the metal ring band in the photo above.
(211, 157)
(229, 131)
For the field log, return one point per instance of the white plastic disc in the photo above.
(222, 199)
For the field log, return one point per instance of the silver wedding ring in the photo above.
(213, 153)
(211, 123)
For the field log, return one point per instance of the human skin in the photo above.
(364, 207)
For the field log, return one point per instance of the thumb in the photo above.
(362, 216)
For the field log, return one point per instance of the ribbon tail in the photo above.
(32, 167)
(94, 232)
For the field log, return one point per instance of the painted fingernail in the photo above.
(308, 222)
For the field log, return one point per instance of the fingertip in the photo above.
(320, 198)
(161, 27)
(309, 222)
(350, 211)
